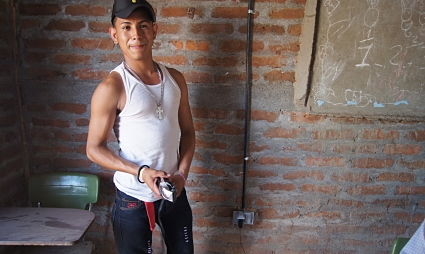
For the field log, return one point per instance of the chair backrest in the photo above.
(64, 189)
(398, 244)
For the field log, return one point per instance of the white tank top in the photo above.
(143, 138)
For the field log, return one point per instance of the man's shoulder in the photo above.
(177, 75)
(112, 81)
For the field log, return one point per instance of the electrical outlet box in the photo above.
(247, 217)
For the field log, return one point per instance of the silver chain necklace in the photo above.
(159, 109)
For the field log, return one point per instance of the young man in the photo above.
(147, 106)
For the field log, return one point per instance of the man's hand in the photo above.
(149, 176)
(178, 181)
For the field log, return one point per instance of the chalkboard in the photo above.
(369, 58)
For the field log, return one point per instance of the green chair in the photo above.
(398, 244)
(64, 189)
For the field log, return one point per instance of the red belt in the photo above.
(150, 210)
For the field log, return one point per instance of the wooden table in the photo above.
(43, 226)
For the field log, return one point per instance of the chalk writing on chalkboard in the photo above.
(370, 55)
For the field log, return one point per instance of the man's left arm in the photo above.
(187, 139)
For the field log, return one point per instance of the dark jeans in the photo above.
(131, 225)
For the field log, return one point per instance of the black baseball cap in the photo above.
(123, 8)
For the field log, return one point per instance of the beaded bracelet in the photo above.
(141, 170)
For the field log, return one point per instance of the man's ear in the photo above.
(155, 30)
(113, 34)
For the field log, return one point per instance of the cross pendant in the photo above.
(160, 112)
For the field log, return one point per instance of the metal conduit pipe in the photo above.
(251, 13)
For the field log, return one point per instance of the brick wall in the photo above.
(317, 184)
(12, 184)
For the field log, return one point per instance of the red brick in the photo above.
(334, 135)
(70, 107)
(112, 58)
(82, 122)
(388, 229)
(65, 25)
(197, 77)
(39, 9)
(209, 113)
(284, 133)
(174, 11)
(89, 44)
(313, 147)
(253, 147)
(394, 149)
(298, 117)
(372, 163)
(50, 122)
(35, 57)
(71, 163)
(264, 29)
(70, 59)
(216, 62)
(351, 177)
(86, 10)
(351, 120)
(44, 74)
(168, 28)
(324, 162)
(399, 177)
(212, 28)
(410, 190)
(355, 148)
(279, 77)
(295, 30)
(29, 24)
(277, 187)
(345, 202)
(261, 173)
(89, 74)
(227, 185)
(367, 190)
(328, 215)
(412, 164)
(274, 61)
(379, 134)
(221, 173)
(318, 175)
(327, 189)
(199, 126)
(228, 129)
(197, 45)
(417, 136)
(98, 27)
(392, 203)
(228, 159)
(207, 197)
(63, 135)
(268, 213)
(233, 46)
(230, 12)
(210, 144)
(44, 43)
(172, 60)
(287, 14)
(277, 161)
(258, 115)
(285, 48)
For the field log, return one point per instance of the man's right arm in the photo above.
(105, 102)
